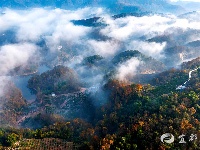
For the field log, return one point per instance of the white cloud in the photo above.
(14, 55)
(31, 24)
(134, 27)
(56, 28)
(4, 80)
(104, 48)
(128, 69)
(152, 49)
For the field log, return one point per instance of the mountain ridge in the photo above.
(115, 6)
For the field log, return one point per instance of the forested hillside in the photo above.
(134, 116)
(99, 75)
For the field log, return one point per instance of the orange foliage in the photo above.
(135, 127)
(139, 87)
(192, 110)
(185, 124)
(107, 142)
(128, 90)
(197, 121)
(141, 123)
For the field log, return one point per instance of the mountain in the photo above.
(154, 5)
(193, 15)
(189, 6)
(126, 55)
(193, 64)
(161, 39)
(90, 22)
(122, 15)
(194, 43)
(62, 79)
(149, 64)
(115, 6)
(98, 21)
(54, 3)
(7, 37)
(14, 105)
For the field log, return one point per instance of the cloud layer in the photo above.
(61, 38)
(15, 55)
(128, 69)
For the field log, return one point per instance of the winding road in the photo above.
(190, 76)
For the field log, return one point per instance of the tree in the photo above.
(11, 139)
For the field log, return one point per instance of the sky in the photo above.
(185, 0)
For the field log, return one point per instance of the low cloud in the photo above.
(135, 27)
(4, 80)
(54, 26)
(152, 49)
(104, 48)
(55, 29)
(128, 69)
(15, 55)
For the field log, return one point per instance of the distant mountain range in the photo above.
(98, 21)
(194, 43)
(188, 5)
(115, 6)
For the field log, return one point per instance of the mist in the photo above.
(46, 36)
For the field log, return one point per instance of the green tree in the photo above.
(11, 139)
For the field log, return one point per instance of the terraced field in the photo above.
(42, 144)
